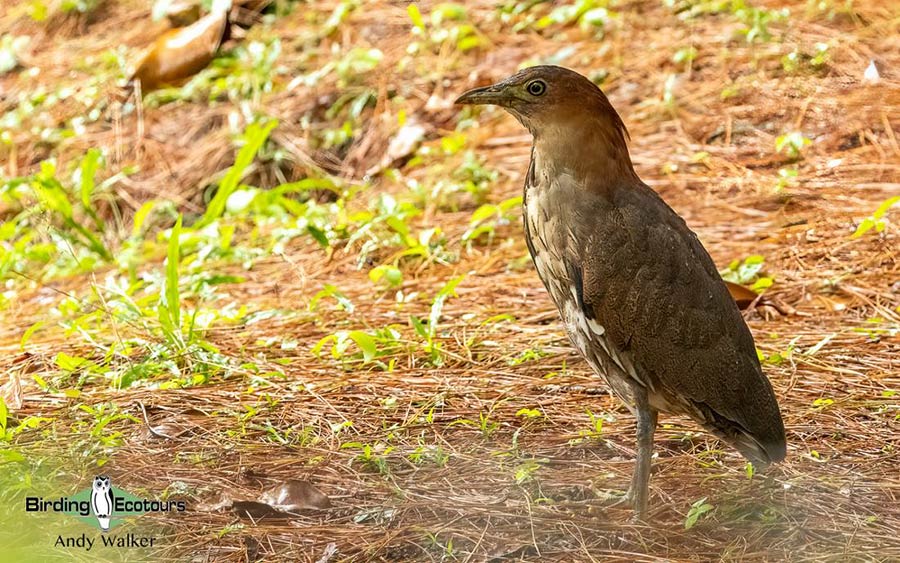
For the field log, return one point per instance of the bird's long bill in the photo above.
(493, 94)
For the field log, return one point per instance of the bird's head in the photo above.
(545, 96)
(565, 112)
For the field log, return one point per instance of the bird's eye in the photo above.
(536, 87)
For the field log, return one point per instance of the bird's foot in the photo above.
(640, 508)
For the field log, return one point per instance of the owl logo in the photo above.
(102, 501)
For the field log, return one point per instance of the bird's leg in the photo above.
(646, 425)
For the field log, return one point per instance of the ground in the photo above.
(367, 321)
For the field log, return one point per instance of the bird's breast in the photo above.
(551, 241)
(545, 231)
(550, 230)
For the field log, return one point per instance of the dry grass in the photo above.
(835, 497)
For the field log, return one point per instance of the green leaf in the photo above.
(169, 308)
(29, 333)
(387, 273)
(864, 227)
(697, 510)
(486, 211)
(87, 173)
(331, 291)
(883, 208)
(317, 349)
(419, 327)
(69, 363)
(762, 284)
(254, 137)
(52, 196)
(141, 215)
(11, 456)
(365, 342)
(875, 220)
(319, 235)
(449, 290)
(4, 414)
(416, 16)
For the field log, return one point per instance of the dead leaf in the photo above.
(871, 74)
(295, 495)
(743, 296)
(746, 297)
(406, 141)
(402, 145)
(181, 53)
(281, 501)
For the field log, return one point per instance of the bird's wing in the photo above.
(653, 287)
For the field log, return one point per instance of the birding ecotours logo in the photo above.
(102, 505)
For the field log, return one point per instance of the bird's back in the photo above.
(642, 300)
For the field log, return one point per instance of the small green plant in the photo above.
(427, 330)
(877, 220)
(356, 62)
(449, 24)
(435, 542)
(589, 14)
(169, 308)
(372, 346)
(433, 453)
(372, 457)
(787, 178)
(104, 415)
(333, 292)
(749, 470)
(80, 6)
(777, 358)
(529, 355)
(698, 510)
(448, 188)
(526, 471)
(485, 424)
(55, 224)
(792, 144)
(529, 414)
(685, 56)
(340, 342)
(832, 8)
(486, 219)
(796, 60)
(755, 20)
(822, 403)
(386, 275)
(594, 431)
(748, 272)
(387, 225)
